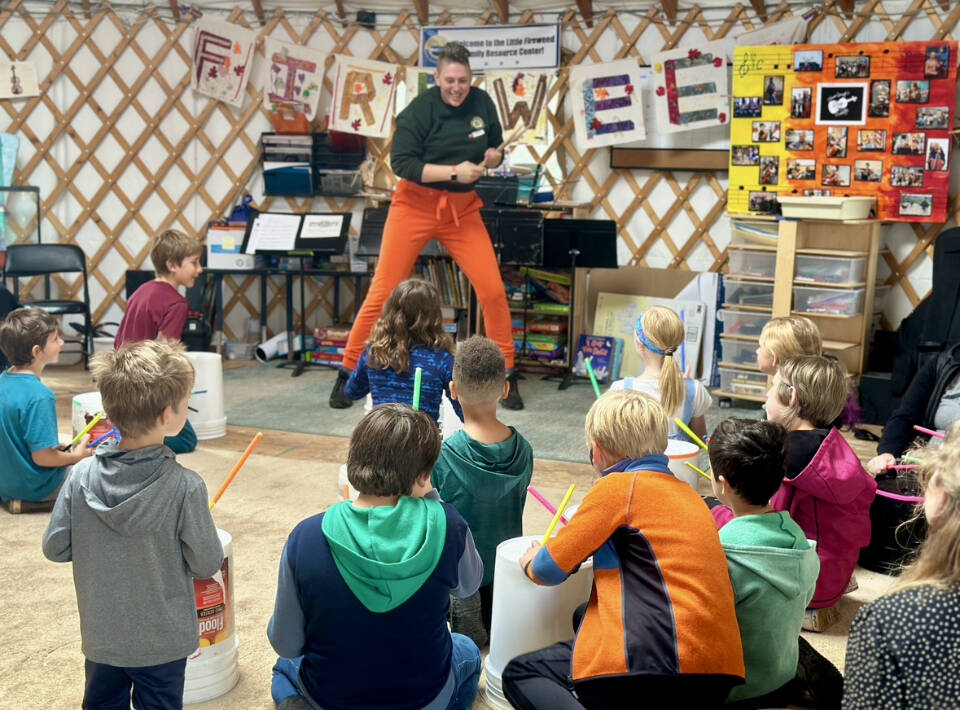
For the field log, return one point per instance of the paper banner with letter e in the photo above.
(690, 87)
(363, 96)
(18, 80)
(294, 78)
(222, 54)
(607, 105)
(521, 99)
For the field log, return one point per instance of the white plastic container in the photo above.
(753, 384)
(739, 292)
(748, 262)
(738, 352)
(527, 616)
(830, 208)
(85, 407)
(209, 420)
(213, 669)
(830, 269)
(679, 452)
(832, 301)
(743, 323)
(102, 344)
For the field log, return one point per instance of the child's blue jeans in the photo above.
(154, 687)
(466, 675)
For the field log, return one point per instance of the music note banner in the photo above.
(18, 80)
(870, 119)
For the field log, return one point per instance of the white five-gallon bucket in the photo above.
(212, 670)
(85, 407)
(209, 421)
(679, 451)
(527, 616)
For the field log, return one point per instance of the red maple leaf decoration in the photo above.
(388, 79)
(595, 124)
(239, 70)
(722, 117)
(661, 91)
(718, 61)
(212, 73)
(693, 53)
(356, 125)
(629, 89)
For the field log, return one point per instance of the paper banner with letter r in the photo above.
(363, 96)
(607, 103)
(294, 78)
(222, 54)
(521, 99)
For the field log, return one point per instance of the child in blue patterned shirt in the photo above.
(408, 335)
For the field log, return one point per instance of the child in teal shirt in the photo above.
(33, 462)
(772, 565)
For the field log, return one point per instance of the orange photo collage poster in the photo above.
(868, 119)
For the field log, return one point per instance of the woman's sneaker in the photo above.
(339, 400)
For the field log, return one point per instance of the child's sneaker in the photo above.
(820, 619)
(465, 619)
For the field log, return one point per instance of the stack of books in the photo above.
(330, 344)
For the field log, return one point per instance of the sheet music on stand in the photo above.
(282, 233)
(273, 232)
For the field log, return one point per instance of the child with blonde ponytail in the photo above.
(658, 335)
(902, 651)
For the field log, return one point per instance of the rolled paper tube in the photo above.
(556, 518)
(928, 432)
(689, 432)
(236, 469)
(417, 381)
(593, 376)
(911, 459)
(903, 467)
(698, 470)
(546, 504)
(85, 430)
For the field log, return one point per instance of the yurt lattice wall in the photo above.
(121, 147)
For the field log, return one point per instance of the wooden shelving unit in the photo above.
(845, 336)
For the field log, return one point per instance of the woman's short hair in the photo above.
(454, 52)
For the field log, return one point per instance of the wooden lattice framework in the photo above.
(155, 123)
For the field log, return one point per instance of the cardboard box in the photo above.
(224, 246)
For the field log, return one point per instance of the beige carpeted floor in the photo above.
(290, 477)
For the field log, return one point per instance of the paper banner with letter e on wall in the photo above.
(607, 103)
(363, 92)
(222, 54)
(690, 87)
(294, 78)
(521, 99)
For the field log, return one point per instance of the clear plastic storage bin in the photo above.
(833, 301)
(742, 322)
(880, 293)
(830, 269)
(747, 262)
(758, 294)
(738, 352)
(743, 382)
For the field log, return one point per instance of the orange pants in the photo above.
(417, 215)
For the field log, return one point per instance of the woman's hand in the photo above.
(492, 158)
(879, 464)
(468, 173)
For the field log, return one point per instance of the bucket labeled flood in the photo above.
(206, 399)
(527, 616)
(86, 406)
(679, 451)
(212, 670)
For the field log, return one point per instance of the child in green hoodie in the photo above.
(483, 470)
(772, 565)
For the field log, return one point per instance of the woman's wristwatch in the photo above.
(453, 173)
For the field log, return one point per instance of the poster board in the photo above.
(868, 119)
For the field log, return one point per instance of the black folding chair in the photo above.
(25, 260)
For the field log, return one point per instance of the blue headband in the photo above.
(642, 337)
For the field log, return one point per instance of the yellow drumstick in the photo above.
(556, 518)
(85, 430)
(513, 136)
(689, 432)
(698, 470)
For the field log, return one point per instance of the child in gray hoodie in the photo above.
(137, 527)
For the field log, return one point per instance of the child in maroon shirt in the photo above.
(157, 308)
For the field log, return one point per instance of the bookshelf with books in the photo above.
(539, 302)
(454, 289)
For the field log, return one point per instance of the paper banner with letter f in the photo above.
(363, 92)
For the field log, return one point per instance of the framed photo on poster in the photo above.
(842, 104)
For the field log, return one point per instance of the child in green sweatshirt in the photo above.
(772, 565)
(483, 470)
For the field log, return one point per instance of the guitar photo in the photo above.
(841, 104)
(837, 106)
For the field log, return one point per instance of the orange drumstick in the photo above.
(236, 469)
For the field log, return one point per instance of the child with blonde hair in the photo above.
(786, 337)
(409, 334)
(661, 620)
(826, 489)
(902, 650)
(659, 333)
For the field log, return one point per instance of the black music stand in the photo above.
(305, 246)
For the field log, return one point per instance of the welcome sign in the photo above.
(500, 47)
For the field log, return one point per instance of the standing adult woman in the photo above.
(444, 141)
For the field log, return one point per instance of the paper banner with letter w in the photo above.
(607, 103)
(521, 99)
(363, 96)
